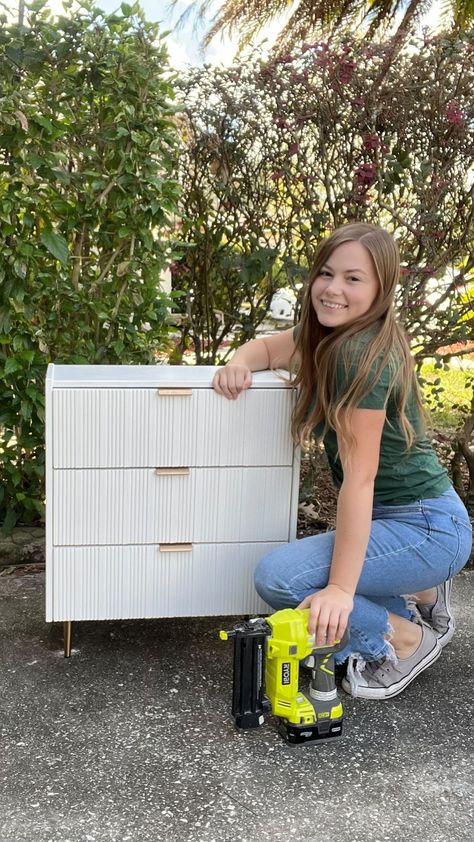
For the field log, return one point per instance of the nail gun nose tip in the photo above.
(223, 635)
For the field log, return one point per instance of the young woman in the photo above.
(400, 529)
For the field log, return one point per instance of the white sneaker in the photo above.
(385, 679)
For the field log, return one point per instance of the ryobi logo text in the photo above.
(285, 672)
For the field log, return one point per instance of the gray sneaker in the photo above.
(439, 615)
(385, 679)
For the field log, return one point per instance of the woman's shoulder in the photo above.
(361, 339)
(357, 347)
(355, 358)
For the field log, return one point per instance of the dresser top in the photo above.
(147, 376)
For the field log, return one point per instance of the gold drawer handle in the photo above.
(175, 548)
(173, 392)
(172, 472)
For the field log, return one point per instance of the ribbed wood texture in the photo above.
(106, 583)
(106, 428)
(128, 506)
(108, 510)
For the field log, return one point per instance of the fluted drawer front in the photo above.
(101, 428)
(106, 583)
(126, 506)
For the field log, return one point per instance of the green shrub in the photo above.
(87, 155)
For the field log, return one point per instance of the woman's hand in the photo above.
(329, 611)
(231, 380)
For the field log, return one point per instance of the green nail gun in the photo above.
(267, 656)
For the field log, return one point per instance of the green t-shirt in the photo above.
(402, 477)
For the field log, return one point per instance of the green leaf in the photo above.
(9, 522)
(11, 365)
(56, 245)
(44, 122)
(18, 342)
(118, 346)
(14, 54)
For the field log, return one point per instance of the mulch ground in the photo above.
(21, 569)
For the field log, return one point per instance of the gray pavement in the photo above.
(131, 739)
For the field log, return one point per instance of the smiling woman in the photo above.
(400, 526)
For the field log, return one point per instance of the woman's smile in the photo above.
(333, 305)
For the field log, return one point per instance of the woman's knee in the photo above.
(289, 573)
(272, 581)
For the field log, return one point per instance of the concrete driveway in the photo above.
(131, 739)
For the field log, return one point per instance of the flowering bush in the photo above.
(280, 152)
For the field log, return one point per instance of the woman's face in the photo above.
(346, 286)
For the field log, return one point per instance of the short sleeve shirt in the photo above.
(402, 477)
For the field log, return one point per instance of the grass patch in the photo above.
(447, 393)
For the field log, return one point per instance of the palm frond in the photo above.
(244, 16)
(381, 14)
(198, 9)
(309, 22)
(320, 18)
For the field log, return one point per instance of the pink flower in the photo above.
(454, 114)
(366, 174)
(346, 70)
(323, 61)
(371, 141)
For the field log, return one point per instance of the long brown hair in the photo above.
(320, 349)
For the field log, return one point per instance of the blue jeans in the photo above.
(411, 548)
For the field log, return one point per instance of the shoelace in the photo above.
(374, 667)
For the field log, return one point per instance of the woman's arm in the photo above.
(257, 355)
(330, 608)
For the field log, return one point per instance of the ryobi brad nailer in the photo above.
(267, 655)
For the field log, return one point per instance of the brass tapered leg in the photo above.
(67, 638)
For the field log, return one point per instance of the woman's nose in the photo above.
(334, 285)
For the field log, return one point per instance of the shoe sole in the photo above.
(399, 687)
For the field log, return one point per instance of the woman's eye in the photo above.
(353, 279)
(326, 274)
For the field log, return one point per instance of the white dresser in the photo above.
(162, 495)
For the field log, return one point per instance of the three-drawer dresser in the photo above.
(162, 495)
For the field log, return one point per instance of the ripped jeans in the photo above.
(411, 548)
